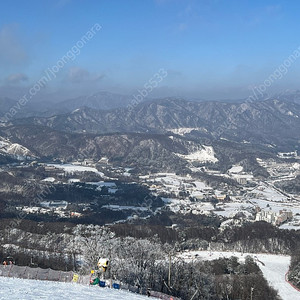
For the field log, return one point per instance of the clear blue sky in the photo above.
(211, 48)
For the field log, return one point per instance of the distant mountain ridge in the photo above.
(272, 122)
(102, 100)
(268, 122)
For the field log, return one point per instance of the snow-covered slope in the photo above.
(14, 149)
(25, 289)
(206, 154)
(182, 130)
(274, 268)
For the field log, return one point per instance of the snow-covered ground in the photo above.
(184, 130)
(25, 289)
(49, 179)
(268, 192)
(124, 207)
(277, 206)
(293, 224)
(235, 169)
(229, 210)
(175, 183)
(69, 168)
(274, 268)
(206, 154)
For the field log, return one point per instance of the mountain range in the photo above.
(271, 122)
(163, 134)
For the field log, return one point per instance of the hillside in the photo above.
(274, 268)
(144, 150)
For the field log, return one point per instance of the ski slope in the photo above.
(26, 289)
(274, 268)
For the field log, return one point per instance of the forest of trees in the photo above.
(294, 272)
(139, 262)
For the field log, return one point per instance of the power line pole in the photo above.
(252, 289)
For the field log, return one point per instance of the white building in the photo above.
(275, 218)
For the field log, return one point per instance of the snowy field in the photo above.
(229, 210)
(25, 289)
(235, 169)
(277, 206)
(206, 154)
(69, 168)
(268, 192)
(274, 268)
(293, 224)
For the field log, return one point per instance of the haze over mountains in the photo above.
(104, 100)
(156, 134)
(274, 120)
(101, 100)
